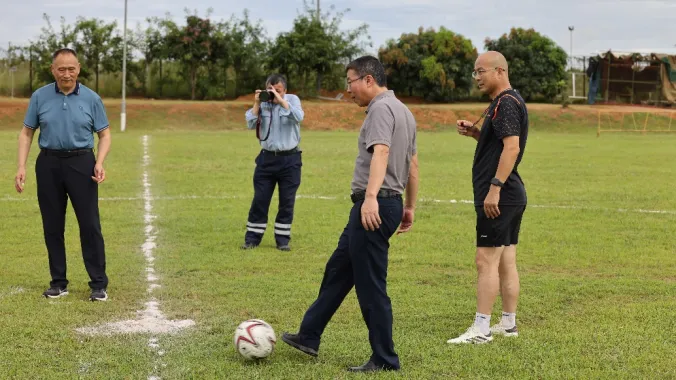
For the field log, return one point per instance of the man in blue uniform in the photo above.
(68, 114)
(276, 119)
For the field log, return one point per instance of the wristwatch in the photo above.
(497, 182)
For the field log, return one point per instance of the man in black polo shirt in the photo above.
(499, 197)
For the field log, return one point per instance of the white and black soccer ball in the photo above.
(255, 339)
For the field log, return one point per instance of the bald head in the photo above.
(492, 59)
(490, 73)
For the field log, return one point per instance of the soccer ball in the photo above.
(255, 339)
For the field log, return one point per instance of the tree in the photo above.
(151, 43)
(536, 64)
(314, 46)
(435, 65)
(247, 47)
(154, 46)
(191, 45)
(47, 43)
(100, 47)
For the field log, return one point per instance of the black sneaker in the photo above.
(284, 247)
(249, 245)
(98, 295)
(293, 340)
(55, 292)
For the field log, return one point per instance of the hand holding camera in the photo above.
(265, 96)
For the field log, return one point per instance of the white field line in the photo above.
(150, 320)
(322, 197)
(13, 290)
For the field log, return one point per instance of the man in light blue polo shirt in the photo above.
(68, 114)
(276, 116)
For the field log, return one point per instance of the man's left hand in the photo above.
(278, 97)
(370, 218)
(491, 203)
(99, 174)
(406, 220)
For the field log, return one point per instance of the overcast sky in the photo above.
(620, 25)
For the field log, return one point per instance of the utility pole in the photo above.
(123, 114)
(11, 74)
(571, 28)
(319, 14)
(30, 67)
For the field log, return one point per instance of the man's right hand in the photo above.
(466, 128)
(20, 180)
(257, 97)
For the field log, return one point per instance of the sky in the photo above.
(599, 25)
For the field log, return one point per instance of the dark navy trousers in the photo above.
(360, 260)
(58, 179)
(273, 170)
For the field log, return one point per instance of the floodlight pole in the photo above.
(571, 28)
(123, 114)
(572, 73)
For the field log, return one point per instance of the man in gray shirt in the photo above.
(386, 166)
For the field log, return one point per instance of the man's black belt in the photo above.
(65, 153)
(382, 193)
(282, 152)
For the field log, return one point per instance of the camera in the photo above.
(266, 96)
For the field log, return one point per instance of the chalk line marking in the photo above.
(13, 290)
(323, 197)
(150, 320)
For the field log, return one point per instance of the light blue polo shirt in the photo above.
(66, 122)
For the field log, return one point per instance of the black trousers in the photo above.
(360, 260)
(272, 170)
(59, 178)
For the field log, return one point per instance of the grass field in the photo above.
(597, 261)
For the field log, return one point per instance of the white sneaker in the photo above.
(500, 329)
(472, 335)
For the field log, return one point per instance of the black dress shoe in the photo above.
(293, 340)
(284, 247)
(249, 245)
(370, 367)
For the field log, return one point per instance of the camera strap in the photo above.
(258, 124)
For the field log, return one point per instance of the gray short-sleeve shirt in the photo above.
(388, 122)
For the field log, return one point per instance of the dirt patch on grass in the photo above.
(319, 115)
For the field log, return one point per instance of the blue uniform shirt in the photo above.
(285, 128)
(66, 122)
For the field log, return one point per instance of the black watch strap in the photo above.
(497, 182)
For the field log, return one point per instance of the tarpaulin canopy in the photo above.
(634, 76)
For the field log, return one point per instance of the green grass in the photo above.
(598, 284)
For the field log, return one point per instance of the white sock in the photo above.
(483, 322)
(508, 319)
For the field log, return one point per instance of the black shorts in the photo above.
(503, 230)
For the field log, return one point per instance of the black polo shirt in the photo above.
(506, 116)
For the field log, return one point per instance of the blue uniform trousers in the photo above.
(282, 170)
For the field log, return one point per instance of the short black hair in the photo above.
(369, 65)
(64, 51)
(275, 79)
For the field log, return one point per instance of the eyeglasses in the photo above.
(480, 72)
(348, 82)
